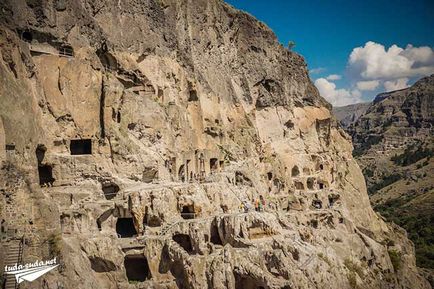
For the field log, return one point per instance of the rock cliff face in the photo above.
(349, 114)
(137, 136)
(396, 118)
(394, 146)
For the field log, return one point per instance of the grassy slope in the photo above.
(403, 192)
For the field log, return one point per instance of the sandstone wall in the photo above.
(140, 128)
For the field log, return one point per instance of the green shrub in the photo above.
(291, 45)
(395, 258)
(420, 228)
(411, 155)
(353, 267)
(367, 144)
(386, 181)
(368, 172)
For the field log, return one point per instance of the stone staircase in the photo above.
(14, 256)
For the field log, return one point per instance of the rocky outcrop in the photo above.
(139, 136)
(396, 118)
(394, 146)
(349, 114)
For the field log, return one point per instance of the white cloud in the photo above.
(333, 77)
(374, 62)
(337, 97)
(368, 85)
(317, 70)
(392, 85)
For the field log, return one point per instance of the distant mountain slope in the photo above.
(350, 113)
(394, 144)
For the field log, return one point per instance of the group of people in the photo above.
(259, 205)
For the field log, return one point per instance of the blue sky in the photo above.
(326, 32)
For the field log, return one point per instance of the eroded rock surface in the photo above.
(138, 136)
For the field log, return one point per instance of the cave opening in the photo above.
(246, 282)
(81, 147)
(187, 212)
(181, 173)
(295, 171)
(333, 198)
(317, 204)
(215, 236)
(125, 228)
(184, 241)
(310, 183)
(40, 153)
(137, 268)
(27, 36)
(213, 164)
(66, 50)
(110, 190)
(45, 171)
(193, 95)
(270, 176)
(45, 175)
(10, 147)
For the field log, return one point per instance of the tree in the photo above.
(291, 45)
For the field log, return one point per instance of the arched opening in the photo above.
(45, 171)
(137, 268)
(81, 147)
(27, 36)
(314, 224)
(40, 153)
(193, 95)
(184, 241)
(192, 92)
(45, 175)
(213, 165)
(321, 186)
(295, 171)
(108, 61)
(333, 198)
(270, 176)
(125, 228)
(321, 167)
(187, 212)
(215, 236)
(66, 50)
(110, 190)
(181, 173)
(310, 183)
